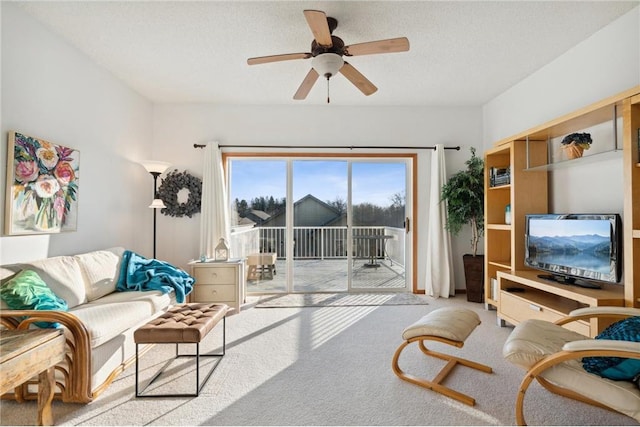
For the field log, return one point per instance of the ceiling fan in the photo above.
(327, 53)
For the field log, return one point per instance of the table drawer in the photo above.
(214, 275)
(519, 309)
(214, 293)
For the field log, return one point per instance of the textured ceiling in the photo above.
(461, 54)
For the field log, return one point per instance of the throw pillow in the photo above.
(27, 291)
(616, 368)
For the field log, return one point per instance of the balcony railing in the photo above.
(320, 242)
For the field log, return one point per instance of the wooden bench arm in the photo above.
(77, 368)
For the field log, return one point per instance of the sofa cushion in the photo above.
(27, 291)
(111, 315)
(61, 274)
(100, 271)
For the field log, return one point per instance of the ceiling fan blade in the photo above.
(317, 21)
(306, 85)
(360, 81)
(400, 44)
(276, 58)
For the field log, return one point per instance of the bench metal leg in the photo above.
(197, 355)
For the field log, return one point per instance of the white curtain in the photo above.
(214, 218)
(440, 282)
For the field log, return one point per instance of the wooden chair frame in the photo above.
(436, 383)
(577, 352)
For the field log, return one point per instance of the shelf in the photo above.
(500, 187)
(506, 264)
(504, 227)
(598, 157)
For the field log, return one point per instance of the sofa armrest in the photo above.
(77, 369)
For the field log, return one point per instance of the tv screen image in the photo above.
(575, 246)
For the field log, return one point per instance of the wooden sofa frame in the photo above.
(75, 383)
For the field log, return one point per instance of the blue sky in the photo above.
(569, 228)
(375, 183)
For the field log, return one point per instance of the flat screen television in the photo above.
(577, 249)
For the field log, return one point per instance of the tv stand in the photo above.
(565, 280)
(544, 299)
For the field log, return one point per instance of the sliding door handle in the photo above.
(407, 225)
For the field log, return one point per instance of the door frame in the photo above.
(413, 160)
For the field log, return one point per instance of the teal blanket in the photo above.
(138, 273)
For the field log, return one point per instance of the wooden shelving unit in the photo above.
(527, 154)
(504, 249)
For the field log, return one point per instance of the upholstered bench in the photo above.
(182, 324)
(448, 325)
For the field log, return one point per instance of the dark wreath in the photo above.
(168, 192)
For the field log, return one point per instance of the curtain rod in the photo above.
(350, 147)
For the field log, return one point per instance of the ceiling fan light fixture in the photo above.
(327, 64)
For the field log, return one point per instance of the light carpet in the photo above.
(340, 300)
(327, 366)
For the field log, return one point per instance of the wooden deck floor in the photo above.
(331, 276)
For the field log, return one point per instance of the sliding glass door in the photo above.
(321, 224)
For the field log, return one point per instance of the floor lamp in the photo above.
(155, 168)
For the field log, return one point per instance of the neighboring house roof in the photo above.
(260, 214)
(246, 221)
(309, 211)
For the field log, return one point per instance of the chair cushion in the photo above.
(534, 339)
(449, 322)
(617, 368)
(27, 291)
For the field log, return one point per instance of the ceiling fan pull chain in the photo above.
(327, 90)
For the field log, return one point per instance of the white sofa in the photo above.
(99, 324)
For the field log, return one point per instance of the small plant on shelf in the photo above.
(575, 143)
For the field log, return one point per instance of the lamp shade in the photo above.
(327, 64)
(157, 204)
(155, 166)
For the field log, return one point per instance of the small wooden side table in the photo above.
(26, 353)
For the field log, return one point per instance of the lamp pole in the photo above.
(155, 168)
(155, 210)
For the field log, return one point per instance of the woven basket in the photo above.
(573, 151)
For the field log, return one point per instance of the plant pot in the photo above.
(474, 277)
(573, 151)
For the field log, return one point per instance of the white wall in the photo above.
(51, 91)
(178, 127)
(603, 65)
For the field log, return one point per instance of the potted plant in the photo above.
(575, 143)
(464, 196)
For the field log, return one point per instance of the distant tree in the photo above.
(242, 207)
(339, 204)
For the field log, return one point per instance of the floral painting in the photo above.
(42, 186)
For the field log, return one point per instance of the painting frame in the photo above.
(42, 186)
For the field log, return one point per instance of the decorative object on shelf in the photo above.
(171, 185)
(42, 186)
(499, 176)
(575, 143)
(222, 250)
(155, 168)
(464, 196)
(507, 215)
